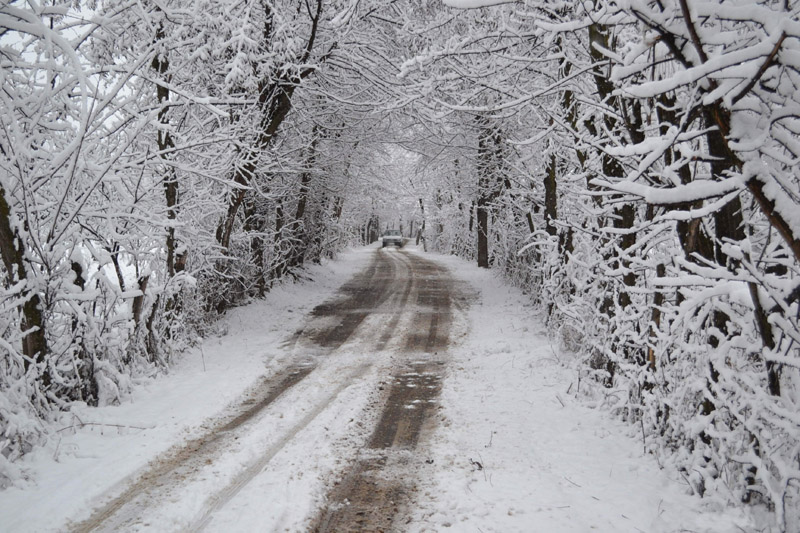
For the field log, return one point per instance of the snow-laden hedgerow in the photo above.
(142, 190)
(652, 147)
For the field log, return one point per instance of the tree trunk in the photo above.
(254, 223)
(691, 234)
(297, 228)
(34, 342)
(138, 301)
(165, 144)
(483, 233)
(421, 231)
(550, 197)
(624, 217)
(280, 267)
(274, 103)
(767, 339)
(655, 318)
(490, 183)
(338, 204)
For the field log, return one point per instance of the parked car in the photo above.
(393, 237)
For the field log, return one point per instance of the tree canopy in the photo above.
(632, 164)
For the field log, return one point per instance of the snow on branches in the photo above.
(651, 207)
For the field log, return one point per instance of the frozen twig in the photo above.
(102, 424)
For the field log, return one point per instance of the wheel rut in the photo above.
(374, 493)
(329, 326)
(181, 463)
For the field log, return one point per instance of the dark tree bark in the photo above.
(729, 225)
(550, 197)
(624, 217)
(165, 145)
(655, 317)
(298, 231)
(472, 208)
(114, 253)
(691, 234)
(338, 205)
(255, 223)
(483, 232)
(12, 250)
(280, 221)
(275, 103)
(138, 301)
(768, 340)
(490, 183)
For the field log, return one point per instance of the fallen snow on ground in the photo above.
(81, 465)
(512, 451)
(516, 452)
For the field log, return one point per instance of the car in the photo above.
(392, 236)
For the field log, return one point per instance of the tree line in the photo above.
(161, 162)
(634, 167)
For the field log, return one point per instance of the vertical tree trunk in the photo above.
(138, 301)
(280, 267)
(490, 183)
(114, 252)
(421, 231)
(655, 317)
(550, 197)
(692, 236)
(439, 202)
(624, 217)
(338, 205)
(274, 104)
(34, 342)
(297, 229)
(765, 331)
(165, 144)
(254, 223)
(483, 233)
(729, 225)
(472, 216)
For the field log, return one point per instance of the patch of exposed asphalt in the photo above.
(353, 303)
(358, 298)
(373, 494)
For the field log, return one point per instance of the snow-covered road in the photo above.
(397, 391)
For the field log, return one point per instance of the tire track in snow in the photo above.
(372, 494)
(357, 299)
(179, 464)
(219, 500)
(397, 303)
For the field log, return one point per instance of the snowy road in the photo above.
(402, 391)
(379, 485)
(393, 317)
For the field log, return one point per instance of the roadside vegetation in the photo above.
(632, 165)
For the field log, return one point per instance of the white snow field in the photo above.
(513, 450)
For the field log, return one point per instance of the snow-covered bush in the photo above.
(140, 190)
(656, 162)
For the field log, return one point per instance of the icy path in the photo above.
(511, 450)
